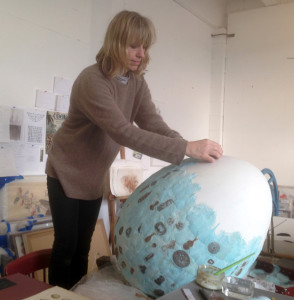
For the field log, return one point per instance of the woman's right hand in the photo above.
(205, 150)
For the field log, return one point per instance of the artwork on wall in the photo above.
(53, 122)
(20, 200)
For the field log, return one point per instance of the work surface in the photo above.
(108, 283)
(218, 295)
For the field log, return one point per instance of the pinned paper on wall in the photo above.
(62, 103)
(35, 123)
(29, 158)
(62, 85)
(4, 124)
(45, 99)
(7, 161)
(16, 128)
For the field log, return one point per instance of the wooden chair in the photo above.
(29, 263)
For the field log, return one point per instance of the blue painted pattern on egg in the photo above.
(166, 230)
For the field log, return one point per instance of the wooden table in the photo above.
(23, 287)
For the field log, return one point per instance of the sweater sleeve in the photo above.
(96, 102)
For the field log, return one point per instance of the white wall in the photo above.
(259, 93)
(210, 12)
(40, 40)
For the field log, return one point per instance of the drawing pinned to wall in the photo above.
(53, 122)
(16, 124)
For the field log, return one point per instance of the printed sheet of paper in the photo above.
(7, 164)
(35, 123)
(29, 158)
(62, 103)
(45, 99)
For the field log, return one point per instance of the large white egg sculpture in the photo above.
(188, 215)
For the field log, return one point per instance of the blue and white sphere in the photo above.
(188, 215)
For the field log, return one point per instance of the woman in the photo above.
(106, 99)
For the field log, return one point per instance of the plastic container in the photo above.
(237, 287)
(207, 279)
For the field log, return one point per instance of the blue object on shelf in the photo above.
(274, 190)
(7, 179)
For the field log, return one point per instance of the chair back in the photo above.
(29, 263)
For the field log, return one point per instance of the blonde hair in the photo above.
(126, 28)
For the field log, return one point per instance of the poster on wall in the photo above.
(53, 122)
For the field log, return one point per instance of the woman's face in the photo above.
(135, 54)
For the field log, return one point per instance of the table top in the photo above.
(194, 288)
(19, 286)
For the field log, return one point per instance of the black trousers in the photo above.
(74, 222)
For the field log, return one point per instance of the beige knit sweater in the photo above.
(100, 119)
